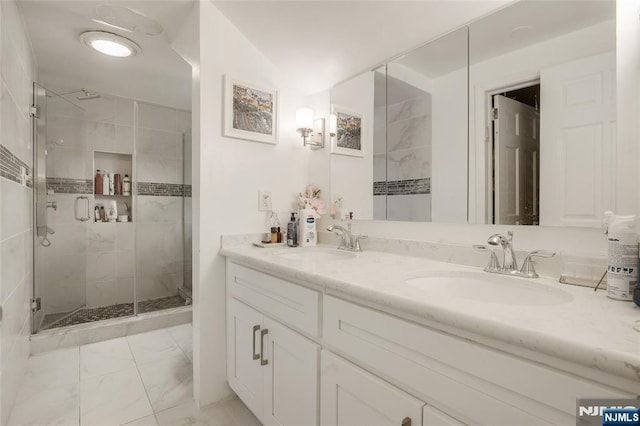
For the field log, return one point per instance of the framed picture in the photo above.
(250, 111)
(349, 138)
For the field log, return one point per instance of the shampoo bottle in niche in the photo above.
(292, 231)
(308, 233)
(622, 256)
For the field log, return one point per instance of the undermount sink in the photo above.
(487, 288)
(318, 254)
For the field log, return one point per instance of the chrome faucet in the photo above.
(509, 261)
(348, 241)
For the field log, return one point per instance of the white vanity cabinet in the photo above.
(297, 356)
(273, 369)
(352, 396)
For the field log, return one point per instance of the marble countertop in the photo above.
(587, 328)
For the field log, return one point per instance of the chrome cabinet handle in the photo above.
(262, 360)
(406, 422)
(255, 355)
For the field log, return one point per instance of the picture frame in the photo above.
(250, 111)
(349, 136)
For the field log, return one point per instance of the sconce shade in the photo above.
(333, 123)
(304, 118)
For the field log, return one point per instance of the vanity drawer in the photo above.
(289, 303)
(467, 380)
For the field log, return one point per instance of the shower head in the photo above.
(88, 95)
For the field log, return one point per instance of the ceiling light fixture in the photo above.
(110, 44)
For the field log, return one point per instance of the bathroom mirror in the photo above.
(543, 114)
(414, 135)
(438, 148)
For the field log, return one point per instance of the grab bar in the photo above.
(82, 218)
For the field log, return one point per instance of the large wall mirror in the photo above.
(510, 120)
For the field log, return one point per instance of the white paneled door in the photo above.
(516, 150)
(578, 135)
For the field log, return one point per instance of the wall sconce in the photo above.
(333, 125)
(311, 130)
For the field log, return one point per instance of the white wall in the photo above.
(16, 230)
(352, 177)
(227, 176)
(449, 166)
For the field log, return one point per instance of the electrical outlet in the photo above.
(264, 201)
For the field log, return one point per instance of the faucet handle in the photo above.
(356, 242)
(494, 264)
(527, 266)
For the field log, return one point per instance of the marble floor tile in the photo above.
(145, 421)
(183, 336)
(109, 356)
(189, 414)
(240, 413)
(51, 369)
(153, 346)
(50, 406)
(168, 382)
(113, 399)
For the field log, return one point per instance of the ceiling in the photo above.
(316, 44)
(534, 21)
(157, 75)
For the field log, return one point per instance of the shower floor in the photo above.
(85, 315)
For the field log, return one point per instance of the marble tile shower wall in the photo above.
(106, 276)
(16, 228)
(405, 164)
(159, 222)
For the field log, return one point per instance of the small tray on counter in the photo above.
(269, 245)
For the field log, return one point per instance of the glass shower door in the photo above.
(62, 208)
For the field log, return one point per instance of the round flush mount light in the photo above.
(110, 44)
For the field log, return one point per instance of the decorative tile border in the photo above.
(11, 166)
(70, 186)
(403, 187)
(187, 190)
(160, 189)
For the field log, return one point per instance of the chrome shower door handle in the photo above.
(75, 208)
(255, 355)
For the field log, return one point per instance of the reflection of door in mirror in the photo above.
(568, 48)
(516, 150)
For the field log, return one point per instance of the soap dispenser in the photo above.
(308, 233)
(292, 231)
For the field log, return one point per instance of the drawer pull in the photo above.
(262, 360)
(406, 422)
(255, 355)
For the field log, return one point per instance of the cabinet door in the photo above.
(351, 396)
(291, 381)
(435, 417)
(244, 371)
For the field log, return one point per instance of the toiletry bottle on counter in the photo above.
(622, 256)
(126, 185)
(96, 214)
(292, 231)
(308, 233)
(274, 235)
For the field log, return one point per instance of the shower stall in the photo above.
(109, 250)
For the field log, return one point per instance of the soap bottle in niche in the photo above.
(308, 233)
(292, 231)
(105, 183)
(98, 183)
(126, 186)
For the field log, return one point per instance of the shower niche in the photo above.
(112, 187)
